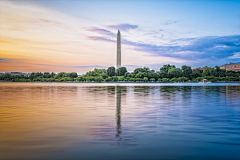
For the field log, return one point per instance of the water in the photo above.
(126, 121)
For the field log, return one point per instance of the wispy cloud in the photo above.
(170, 22)
(150, 33)
(101, 31)
(100, 39)
(123, 27)
(3, 60)
(91, 66)
(235, 56)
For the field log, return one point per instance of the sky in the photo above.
(78, 36)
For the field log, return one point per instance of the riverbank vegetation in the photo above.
(167, 73)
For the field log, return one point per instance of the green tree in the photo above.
(152, 74)
(52, 74)
(81, 78)
(165, 79)
(59, 75)
(146, 69)
(92, 73)
(152, 79)
(32, 76)
(137, 70)
(127, 74)
(104, 75)
(73, 75)
(164, 70)
(145, 79)
(186, 71)
(199, 79)
(132, 79)
(139, 75)
(174, 79)
(121, 71)
(183, 79)
(100, 71)
(99, 79)
(90, 78)
(174, 72)
(46, 75)
(196, 73)
(132, 74)
(7, 77)
(209, 72)
(120, 78)
(108, 79)
(111, 71)
(139, 79)
(115, 78)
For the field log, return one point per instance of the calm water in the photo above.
(127, 121)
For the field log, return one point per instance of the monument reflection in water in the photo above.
(118, 112)
(81, 121)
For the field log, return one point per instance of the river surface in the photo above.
(119, 121)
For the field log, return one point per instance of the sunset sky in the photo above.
(78, 36)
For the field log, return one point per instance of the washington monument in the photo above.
(118, 49)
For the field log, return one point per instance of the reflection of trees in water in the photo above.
(165, 92)
(96, 89)
(173, 92)
(111, 90)
(144, 90)
(62, 92)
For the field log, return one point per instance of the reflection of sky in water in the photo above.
(114, 122)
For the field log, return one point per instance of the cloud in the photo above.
(198, 48)
(235, 56)
(101, 31)
(123, 27)
(100, 39)
(170, 22)
(93, 66)
(150, 33)
(3, 60)
(195, 48)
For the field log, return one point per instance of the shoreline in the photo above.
(127, 82)
(88, 84)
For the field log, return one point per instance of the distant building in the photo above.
(200, 68)
(203, 68)
(14, 73)
(18, 74)
(26, 74)
(231, 66)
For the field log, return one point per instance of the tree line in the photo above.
(167, 73)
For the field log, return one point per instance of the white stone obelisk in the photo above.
(118, 49)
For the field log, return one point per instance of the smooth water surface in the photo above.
(111, 121)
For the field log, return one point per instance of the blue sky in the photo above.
(196, 33)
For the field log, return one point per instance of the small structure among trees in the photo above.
(204, 80)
